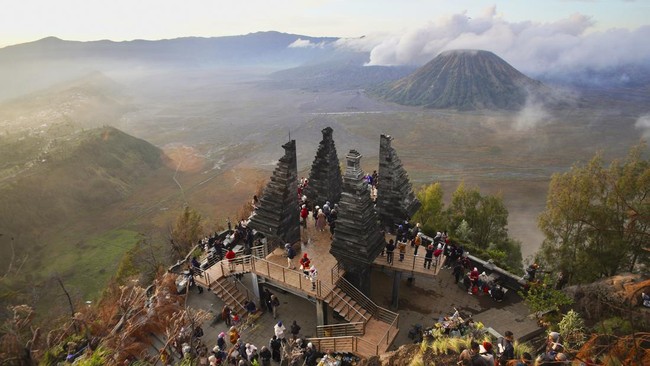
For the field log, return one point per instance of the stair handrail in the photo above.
(231, 296)
(377, 311)
(240, 286)
(333, 293)
(386, 338)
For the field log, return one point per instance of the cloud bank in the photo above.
(532, 47)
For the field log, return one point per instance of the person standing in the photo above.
(274, 345)
(265, 356)
(230, 256)
(390, 248)
(471, 356)
(305, 263)
(295, 330)
(313, 274)
(458, 271)
(304, 213)
(508, 349)
(401, 246)
(428, 256)
(291, 253)
(233, 334)
(321, 220)
(225, 315)
(266, 300)
(417, 241)
(275, 302)
(279, 329)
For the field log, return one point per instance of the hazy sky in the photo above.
(28, 20)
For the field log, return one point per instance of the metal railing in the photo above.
(378, 312)
(226, 295)
(340, 344)
(290, 277)
(340, 330)
(332, 295)
(411, 262)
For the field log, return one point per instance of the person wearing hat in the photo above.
(221, 341)
(310, 355)
(313, 273)
(251, 352)
(304, 213)
(485, 350)
(279, 331)
(305, 263)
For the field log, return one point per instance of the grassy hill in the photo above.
(53, 216)
(79, 176)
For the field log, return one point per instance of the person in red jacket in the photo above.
(305, 264)
(230, 256)
(473, 277)
(304, 213)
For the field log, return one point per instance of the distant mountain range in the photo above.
(463, 80)
(291, 61)
(261, 48)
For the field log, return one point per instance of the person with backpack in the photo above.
(416, 242)
(291, 253)
(401, 246)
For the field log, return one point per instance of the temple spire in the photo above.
(277, 215)
(357, 236)
(396, 201)
(325, 176)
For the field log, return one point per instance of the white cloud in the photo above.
(533, 47)
(643, 124)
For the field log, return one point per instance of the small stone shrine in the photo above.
(325, 176)
(396, 201)
(277, 215)
(357, 237)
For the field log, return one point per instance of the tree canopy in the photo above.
(186, 232)
(478, 221)
(597, 219)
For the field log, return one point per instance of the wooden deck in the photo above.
(378, 333)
